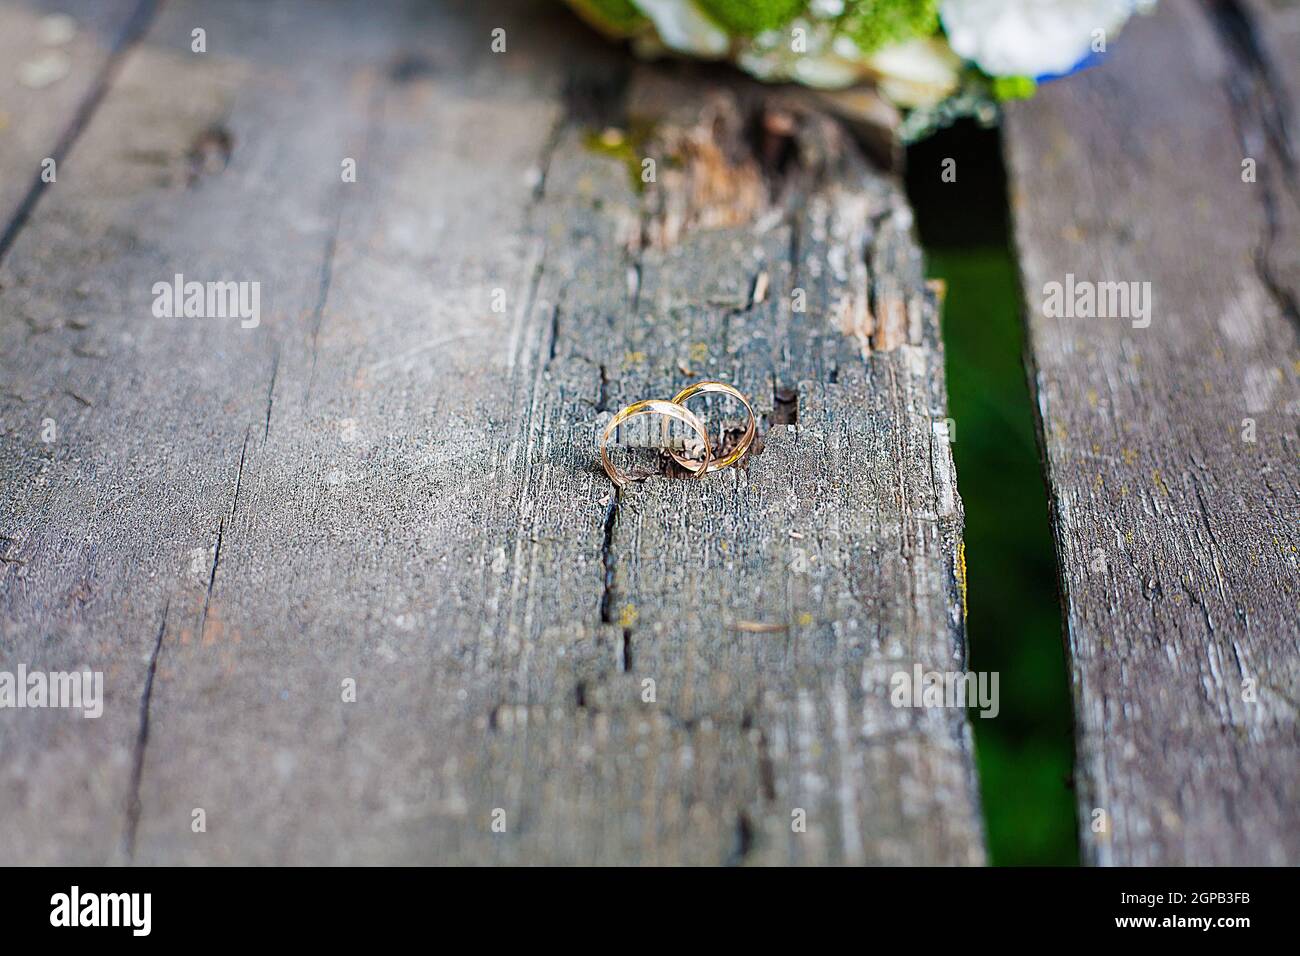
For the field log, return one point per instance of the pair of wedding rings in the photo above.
(676, 409)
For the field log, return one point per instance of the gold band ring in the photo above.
(747, 439)
(653, 406)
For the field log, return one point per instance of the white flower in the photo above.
(1030, 37)
(918, 72)
(825, 71)
(683, 28)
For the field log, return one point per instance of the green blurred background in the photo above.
(1026, 753)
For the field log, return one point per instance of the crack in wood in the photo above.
(133, 30)
(133, 805)
(1261, 106)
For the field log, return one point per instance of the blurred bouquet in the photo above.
(936, 60)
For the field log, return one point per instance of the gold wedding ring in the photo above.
(653, 406)
(742, 446)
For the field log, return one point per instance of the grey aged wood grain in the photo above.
(57, 59)
(388, 481)
(1177, 537)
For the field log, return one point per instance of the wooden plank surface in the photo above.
(388, 481)
(58, 57)
(1177, 534)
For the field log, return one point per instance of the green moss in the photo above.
(875, 23)
(1013, 87)
(748, 17)
(618, 17)
(626, 146)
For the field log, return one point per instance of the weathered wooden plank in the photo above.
(842, 537)
(1171, 449)
(116, 520)
(57, 60)
(388, 481)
